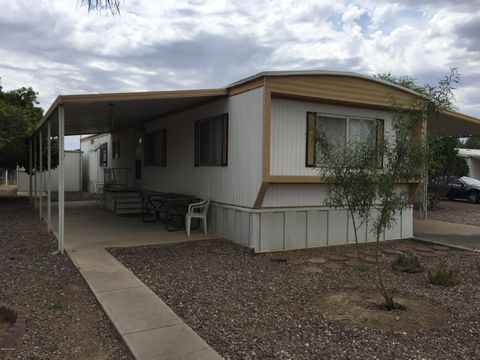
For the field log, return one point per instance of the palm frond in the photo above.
(112, 5)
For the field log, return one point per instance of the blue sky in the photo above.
(57, 47)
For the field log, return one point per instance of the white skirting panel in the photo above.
(288, 229)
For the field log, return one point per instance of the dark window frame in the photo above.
(217, 155)
(312, 120)
(116, 149)
(103, 155)
(150, 138)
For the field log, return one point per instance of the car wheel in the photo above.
(473, 197)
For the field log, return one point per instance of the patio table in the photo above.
(167, 208)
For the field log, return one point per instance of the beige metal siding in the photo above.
(337, 88)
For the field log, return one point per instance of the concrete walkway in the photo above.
(147, 325)
(465, 236)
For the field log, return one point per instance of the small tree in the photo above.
(363, 176)
(442, 163)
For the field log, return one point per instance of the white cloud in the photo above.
(56, 47)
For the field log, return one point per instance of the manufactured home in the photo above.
(95, 158)
(73, 175)
(247, 147)
(472, 157)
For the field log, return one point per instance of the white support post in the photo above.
(35, 171)
(6, 177)
(49, 176)
(61, 177)
(40, 153)
(30, 169)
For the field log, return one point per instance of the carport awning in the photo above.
(454, 124)
(105, 113)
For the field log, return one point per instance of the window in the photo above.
(116, 149)
(339, 130)
(211, 141)
(103, 155)
(156, 148)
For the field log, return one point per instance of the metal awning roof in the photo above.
(105, 113)
(454, 124)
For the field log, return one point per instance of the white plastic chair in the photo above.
(197, 210)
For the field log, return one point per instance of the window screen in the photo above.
(211, 141)
(339, 130)
(156, 148)
(103, 153)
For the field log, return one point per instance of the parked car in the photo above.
(464, 188)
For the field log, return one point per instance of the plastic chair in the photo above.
(197, 210)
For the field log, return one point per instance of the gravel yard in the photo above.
(63, 319)
(458, 211)
(250, 306)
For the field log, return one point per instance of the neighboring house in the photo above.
(96, 153)
(247, 147)
(472, 157)
(73, 175)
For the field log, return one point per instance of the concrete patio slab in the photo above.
(460, 235)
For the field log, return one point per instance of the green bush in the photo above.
(409, 263)
(443, 275)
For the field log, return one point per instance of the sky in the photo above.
(57, 47)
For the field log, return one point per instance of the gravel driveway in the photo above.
(458, 211)
(63, 319)
(247, 306)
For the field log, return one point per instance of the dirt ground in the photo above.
(458, 211)
(63, 319)
(314, 304)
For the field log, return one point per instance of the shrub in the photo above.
(409, 263)
(443, 275)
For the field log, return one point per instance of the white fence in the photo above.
(73, 175)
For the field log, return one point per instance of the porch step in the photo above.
(128, 203)
(122, 211)
(126, 194)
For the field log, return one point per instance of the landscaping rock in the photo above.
(441, 248)
(296, 261)
(353, 263)
(312, 269)
(247, 307)
(317, 260)
(337, 257)
(392, 252)
(423, 249)
(333, 265)
(62, 317)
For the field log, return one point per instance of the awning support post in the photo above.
(40, 154)
(61, 177)
(35, 171)
(30, 169)
(49, 176)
